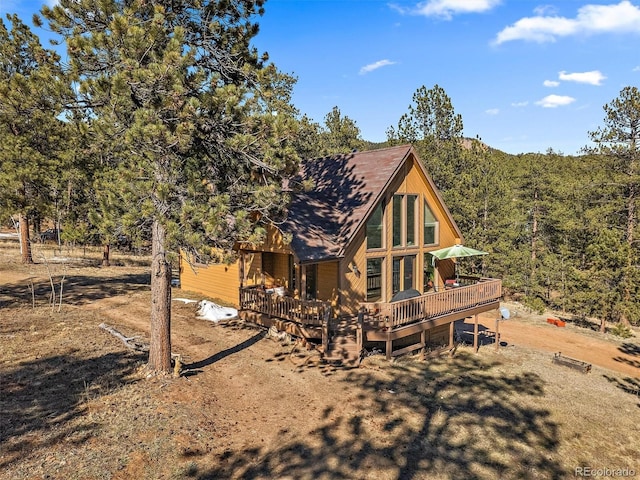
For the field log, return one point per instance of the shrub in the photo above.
(534, 304)
(621, 330)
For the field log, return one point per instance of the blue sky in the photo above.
(525, 75)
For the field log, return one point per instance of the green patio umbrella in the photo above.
(456, 251)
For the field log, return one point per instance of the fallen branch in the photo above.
(130, 342)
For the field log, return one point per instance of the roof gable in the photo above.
(347, 187)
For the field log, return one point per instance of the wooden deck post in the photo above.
(360, 334)
(325, 333)
(451, 332)
(241, 275)
(475, 334)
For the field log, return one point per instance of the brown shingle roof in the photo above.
(324, 220)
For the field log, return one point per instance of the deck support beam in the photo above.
(452, 329)
(475, 334)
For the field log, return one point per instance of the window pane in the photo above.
(429, 234)
(409, 263)
(430, 226)
(374, 279)
(428, 273)
(374, 229)
(312, 281)
(397, 220)
(395, 284)
(411, 219)
(293, 281)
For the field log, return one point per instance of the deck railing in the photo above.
(431, 305)
(305, 312)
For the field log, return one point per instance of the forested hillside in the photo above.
(560, 229)
(186, 140)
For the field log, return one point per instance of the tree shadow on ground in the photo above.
(193, 368)
(628, 384)
(41, 399)
(455, 417)
(631, 350)
(77, 289)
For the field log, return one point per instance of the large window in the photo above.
(404, 220)
(430, 226)
(374, 228)
(374, 279)
(403, 273)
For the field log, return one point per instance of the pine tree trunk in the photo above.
(105, 255)
(25, 244)
(534, 237)
(160, 348)
(631, 223)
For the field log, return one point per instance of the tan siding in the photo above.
(328, 282)
(353, 286)
(273, 242)
(281, 270)
(219, 281)
(253, 268)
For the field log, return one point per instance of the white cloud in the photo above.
(636, 69)
(553, 101)
(520, 104)
(374, 66)
(448, 8)
(623, 17)
(550, 83)
(492, 111)
(594, 77)
(543, 10)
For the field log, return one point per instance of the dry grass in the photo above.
(76, 404)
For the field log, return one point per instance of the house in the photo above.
(357, 239)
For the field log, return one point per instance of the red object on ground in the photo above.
(557, 323)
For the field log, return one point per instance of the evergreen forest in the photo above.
(164, 126)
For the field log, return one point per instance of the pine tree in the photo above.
(33, 90)
(196, 129)
(341, 134)
(435, 130)
(619, 141)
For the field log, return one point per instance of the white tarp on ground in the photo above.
(185, 300)
(212, 311)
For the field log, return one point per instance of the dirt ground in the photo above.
(77, 404)
(527, 330)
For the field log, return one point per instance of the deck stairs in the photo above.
(343, 344)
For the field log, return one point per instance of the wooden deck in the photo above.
(376, 322)
(305, 312)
